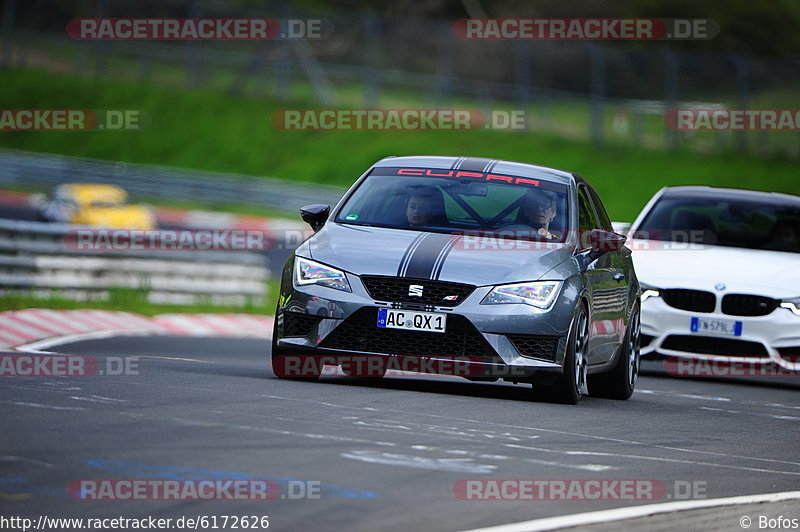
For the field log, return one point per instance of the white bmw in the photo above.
(720, 275)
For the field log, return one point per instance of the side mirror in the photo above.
(600, 242)
(603, 241)
(621, 228)
(315, 215)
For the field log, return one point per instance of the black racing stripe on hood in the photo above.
(443, 255)
(407, 254)
(424, 257)
(476, 164)
(456, 163)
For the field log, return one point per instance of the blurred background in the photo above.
(211, 158)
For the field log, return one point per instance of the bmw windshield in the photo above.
(724, 221)
(452, 201)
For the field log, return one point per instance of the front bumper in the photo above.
(503, 341)
(770, 339)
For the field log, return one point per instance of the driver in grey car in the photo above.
(538, 210)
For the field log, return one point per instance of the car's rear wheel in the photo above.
(569, 386)
(620, 382)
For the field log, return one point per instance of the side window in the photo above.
(587, 220)
(605, 221)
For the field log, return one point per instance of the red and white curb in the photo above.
(33, 328)
(607, 326)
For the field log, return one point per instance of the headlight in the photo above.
(792, 304)
(539, 294)
(648, 292)
(309, 272)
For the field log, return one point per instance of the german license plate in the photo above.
(717, 326)
(411, 320)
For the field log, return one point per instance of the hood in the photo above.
(771, 273)
(424, 255)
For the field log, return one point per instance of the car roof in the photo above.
(94, 191)
(730, 193)
(500, 166)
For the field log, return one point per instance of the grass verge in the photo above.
(132, 300)
(212, 130)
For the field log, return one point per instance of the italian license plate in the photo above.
(717, 326)
(411, 320)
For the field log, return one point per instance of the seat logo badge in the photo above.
(415, 290)
(720, 286)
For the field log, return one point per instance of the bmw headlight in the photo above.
(539, 294)
(792, 304)
(310, 272)
(648, 292)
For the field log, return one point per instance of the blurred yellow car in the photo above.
(96, 205)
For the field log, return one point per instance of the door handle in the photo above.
(619, 277)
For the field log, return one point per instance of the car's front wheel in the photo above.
(569, 386)
(620, 382)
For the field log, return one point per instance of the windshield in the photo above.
(734, 222)
(105, 204)
(452, 201)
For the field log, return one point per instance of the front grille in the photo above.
(692, 300)
(792, 354)
(361, 333)
(433, 292)
(299, 325)
(748, 305)
(533, 346)
(715, 346)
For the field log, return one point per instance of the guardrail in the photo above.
(35, 255)
(44, 170)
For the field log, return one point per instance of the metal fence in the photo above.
(44, 171)
(606, 92)
(37, 257)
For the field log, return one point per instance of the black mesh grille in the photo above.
(532, 346)
(296, 324)
(693, 300)
(792, 354)
(748, 305)
(361, 333)
(433, 292)
(715, 346)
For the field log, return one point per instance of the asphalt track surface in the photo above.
(386, 453)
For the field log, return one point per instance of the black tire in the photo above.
(620, 382)
(568, 387)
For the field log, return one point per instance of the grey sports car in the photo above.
(467, 266)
